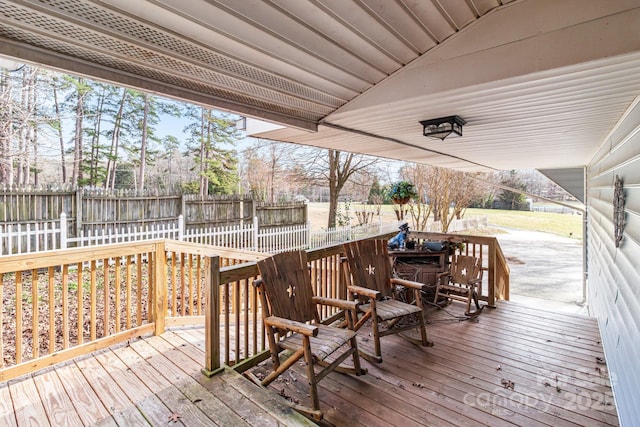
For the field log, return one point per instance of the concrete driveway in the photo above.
(546, 269)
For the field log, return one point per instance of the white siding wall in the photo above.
(614, 273)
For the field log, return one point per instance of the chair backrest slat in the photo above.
(369, 264)
(287, 283)
(465, 268)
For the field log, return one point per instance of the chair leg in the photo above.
(356, 358)
(311, 373)
(473, 295)
(423, 332)
(376, 338)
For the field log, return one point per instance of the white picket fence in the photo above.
(52, 235)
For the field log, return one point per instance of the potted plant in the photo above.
(402, 191)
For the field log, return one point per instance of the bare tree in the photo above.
(336, 168)
(420, 208)
(56, 123)
(443, 193)
(269, 166)
(143, 143)
(6, 127)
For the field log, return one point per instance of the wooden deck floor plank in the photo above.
(545, 399)
(146, 372)
(7, 413)
(27, 404)
(572, 337)
(210, 404)
(154, 410)
(242, 396)
(587, 326)
(266, 402)
(339, 409)
(110, 393)
(553, 322)
(468, 334)
(138, 393)
(87, 404)
(529, 385)
(187, 348)
(405, 396)
(555, 331)
(450, 406)
(171, 351)
(461, 388)
(191, 360)
(186, 411)
(57, 404)
(442, 385)
(555, 344)
(528, 342)
(502, 352)
(127, 380)
(192, 392)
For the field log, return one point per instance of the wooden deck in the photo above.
(514, 366)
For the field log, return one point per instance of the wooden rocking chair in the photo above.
(291, 319)
(462, 282)
(369, 267)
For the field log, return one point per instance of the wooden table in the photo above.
(420, 266)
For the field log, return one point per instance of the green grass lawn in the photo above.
(567, 225)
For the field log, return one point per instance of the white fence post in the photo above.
(63, 230)
(255, 233)
(180, 228)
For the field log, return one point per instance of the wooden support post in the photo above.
(491, 298)
(212, 317)
(160, 288)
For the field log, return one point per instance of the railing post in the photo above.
(160, 288)
(212, 317)
(492, 262)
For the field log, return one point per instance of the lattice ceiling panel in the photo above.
(118, 42)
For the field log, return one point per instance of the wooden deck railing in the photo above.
(57, 305)
(496, 277)
(244, 343)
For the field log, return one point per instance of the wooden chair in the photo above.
(462, 282)
(292, 322)
(372, 285)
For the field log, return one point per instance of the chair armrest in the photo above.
(291, 325)
(371, 293)
(407, 283)
(334, 302)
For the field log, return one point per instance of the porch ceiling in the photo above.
(540, 83)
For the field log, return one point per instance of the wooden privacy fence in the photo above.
(91, 210)
(62, 304)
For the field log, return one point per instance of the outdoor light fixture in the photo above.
(442, 127)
